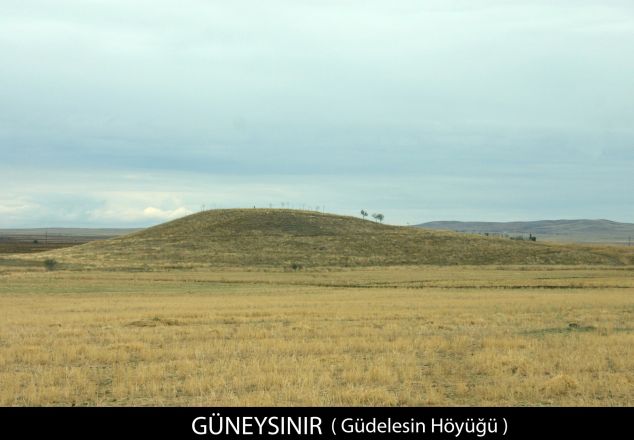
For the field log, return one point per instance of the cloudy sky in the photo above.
(129, 113)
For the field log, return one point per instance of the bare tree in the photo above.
(378, 217)
(364, 213)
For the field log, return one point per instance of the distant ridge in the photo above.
(67, 232)
(28, 240)
(293, 239)
(581, 231)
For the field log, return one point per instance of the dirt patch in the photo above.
(154, 322)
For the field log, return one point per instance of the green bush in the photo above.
(50, 264)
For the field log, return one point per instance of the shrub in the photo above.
(50, 264)
(296, 266)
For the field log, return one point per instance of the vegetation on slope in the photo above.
(290, 238)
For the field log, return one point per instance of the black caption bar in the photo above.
(315, 423)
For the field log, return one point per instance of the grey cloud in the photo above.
(457, 95)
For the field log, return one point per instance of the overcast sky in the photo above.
(129, 113)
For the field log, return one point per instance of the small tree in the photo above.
(378, 217)
(364, 214)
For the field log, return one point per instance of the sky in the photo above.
(119, 113)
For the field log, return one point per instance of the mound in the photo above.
(285, 238)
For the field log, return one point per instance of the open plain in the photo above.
(282, 334)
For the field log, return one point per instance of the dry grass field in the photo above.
(280, 307)
(409, 335)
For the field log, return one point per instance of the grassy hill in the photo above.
(285, 238)
(580, 231)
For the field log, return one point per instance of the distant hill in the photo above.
(284, 239)
(67, 232)
(29, 240)
(581, 231)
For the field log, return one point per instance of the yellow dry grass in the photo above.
(376, 336)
